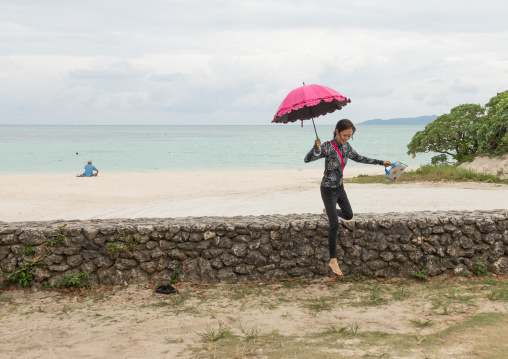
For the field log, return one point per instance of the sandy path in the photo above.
(224, 193)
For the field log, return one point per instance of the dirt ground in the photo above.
(351, 317)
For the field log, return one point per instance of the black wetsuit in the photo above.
(332, 188)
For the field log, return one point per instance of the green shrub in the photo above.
(59, 238)
(27, 250)
(115, 247)
(439, 160)
(422, 275)
(175, 276)
(480, 269)
(22, 275)
(76, 280)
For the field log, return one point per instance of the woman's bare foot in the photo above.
(334, 265)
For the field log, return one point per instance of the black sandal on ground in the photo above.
(166, 289)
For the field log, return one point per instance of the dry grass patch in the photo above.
(431, 173)
(481, 336)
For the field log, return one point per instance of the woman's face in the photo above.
(343, 136)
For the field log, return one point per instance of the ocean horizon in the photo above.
(43, 149)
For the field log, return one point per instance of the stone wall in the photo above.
(239, 249)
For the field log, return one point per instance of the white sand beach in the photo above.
(223, 193)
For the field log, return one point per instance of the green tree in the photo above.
(453, 134)
(493, 133)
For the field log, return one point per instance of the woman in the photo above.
(336, 154)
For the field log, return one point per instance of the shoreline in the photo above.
(225, 194)
(354, 171)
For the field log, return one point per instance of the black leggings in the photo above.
(331, 197)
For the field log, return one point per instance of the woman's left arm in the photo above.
(362, 159)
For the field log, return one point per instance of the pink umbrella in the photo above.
(307, 102)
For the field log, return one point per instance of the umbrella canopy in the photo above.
(309, 101)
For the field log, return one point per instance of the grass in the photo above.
(450, 300)
(173, 302)
(248, 333)
(400, 294)
(244, 292)
(375, 296)
(5, 299)
(421, 324)
(214, 334)
(95, 294)
(335, 329)
(500, 294)
(286, 315)
(354, 327)
(320, 304)
(292, 283)
(67, 309)
(484, 334)
(432, 173)
(174, 341)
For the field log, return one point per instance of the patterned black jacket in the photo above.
(332, 177)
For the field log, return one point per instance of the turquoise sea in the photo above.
(118, 149)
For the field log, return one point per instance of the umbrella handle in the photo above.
(315, 129)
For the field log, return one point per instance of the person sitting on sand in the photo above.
(336, 154)
(89, 168)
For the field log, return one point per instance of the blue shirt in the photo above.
(89, 170)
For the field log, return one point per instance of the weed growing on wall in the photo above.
(117, 247)
(22, 274)
(57, 240)
(27, 250)
(76, 280)
(175, 276)
(480, 269)
(422, 274)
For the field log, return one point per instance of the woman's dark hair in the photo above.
(344, 124)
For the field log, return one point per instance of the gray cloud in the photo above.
(225, 60)
(169, 77)
(460, 87)
(125, 27)
(104, 74)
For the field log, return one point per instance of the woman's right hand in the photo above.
(318, 142)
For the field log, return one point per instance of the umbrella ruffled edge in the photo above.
(310, 102)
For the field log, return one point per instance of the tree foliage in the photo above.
(453, 134)
(493, 132)
(466, 131)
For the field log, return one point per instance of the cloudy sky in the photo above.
(233, 62)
